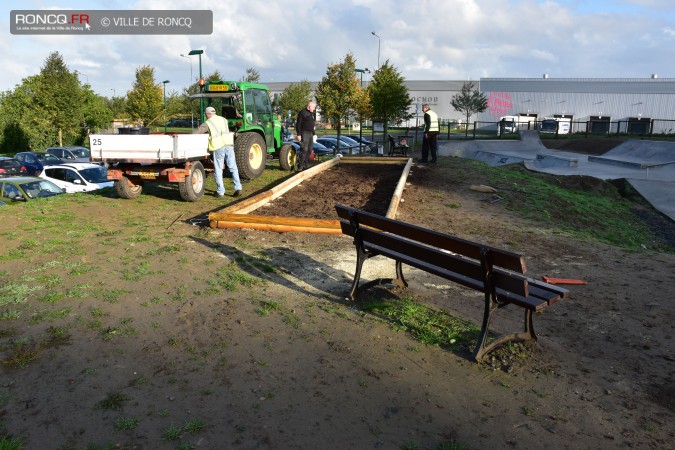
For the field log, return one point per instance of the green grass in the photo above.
(585, 208)
(427, 325)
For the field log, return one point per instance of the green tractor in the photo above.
(248, 110)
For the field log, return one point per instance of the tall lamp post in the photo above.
(378, 48)
(361, 71)
(164, 83)
(201, 83)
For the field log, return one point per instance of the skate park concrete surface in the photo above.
(649, 166)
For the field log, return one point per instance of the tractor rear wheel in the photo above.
(251, 154)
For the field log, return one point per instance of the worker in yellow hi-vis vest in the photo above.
(221, 145)
(431, 131)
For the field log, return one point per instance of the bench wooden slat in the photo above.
(502, 258)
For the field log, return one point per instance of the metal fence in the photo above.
(597, 127)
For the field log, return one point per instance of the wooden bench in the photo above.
(499, 274)
(400, 148)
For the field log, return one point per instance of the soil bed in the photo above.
(364, 186)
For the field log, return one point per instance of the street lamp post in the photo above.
(113, 89)
(378, 48)
(164, 83)
(201, 82)
(361, 71)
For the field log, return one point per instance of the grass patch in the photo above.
(113, 401)
(427, 325)
(580, 206)
(11, 443)
(14, 293)
(21, 352)
(126, 423)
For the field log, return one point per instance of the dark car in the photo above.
(372, 146)
(21, 189)
(35, 162)
(332, 143)
(319, 149)
(71, 154)
(182, 123)
(10, 167)
(348, 142)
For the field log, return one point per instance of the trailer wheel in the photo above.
(251, 154)
(287, 157)
(193, 187)
(126, 189)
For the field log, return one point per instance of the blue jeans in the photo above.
(222, 156)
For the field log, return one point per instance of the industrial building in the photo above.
(633, 105)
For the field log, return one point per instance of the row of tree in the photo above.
(54, 107)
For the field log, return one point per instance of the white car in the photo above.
(77, 177)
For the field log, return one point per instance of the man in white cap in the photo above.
(221, 144)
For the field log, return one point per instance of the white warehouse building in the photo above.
(603, 104)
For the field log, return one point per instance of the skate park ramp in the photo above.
(649, 166)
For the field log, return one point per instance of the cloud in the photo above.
(292, 40)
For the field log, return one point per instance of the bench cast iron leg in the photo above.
(361, 256)
(400, 281)
(483, 349)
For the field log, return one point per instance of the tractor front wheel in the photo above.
(287, 157)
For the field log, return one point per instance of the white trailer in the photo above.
(133, 160)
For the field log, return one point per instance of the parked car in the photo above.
(21, 189)
(349, 142)
(372, 146)
(319, 149)
(35, 162)
(332, 143)
(71, 154)
(182, 123)
(77, 177)
(10, 167)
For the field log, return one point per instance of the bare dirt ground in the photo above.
(248, 333)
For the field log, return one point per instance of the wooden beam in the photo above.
(276, 228)
(275, 220)
(398, 192)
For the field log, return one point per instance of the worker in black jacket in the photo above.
(304, 130)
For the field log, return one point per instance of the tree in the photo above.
(97, 114)
(294, 98)
(389, 96)
(145, 101)
(469, 101)
(252, 75)
(339, 91)
(50, 108)
(57, 102)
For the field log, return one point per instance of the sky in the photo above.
(294, 40)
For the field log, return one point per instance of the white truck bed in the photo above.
(148, 148)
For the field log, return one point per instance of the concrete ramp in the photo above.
(640, 154)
